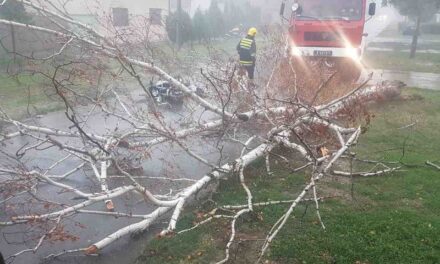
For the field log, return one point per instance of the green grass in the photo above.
(200, 52)
(16, 92)
(396, 60)
(391, 219)
(30, 92)
(195, 49)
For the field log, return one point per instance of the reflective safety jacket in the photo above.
(247, 50)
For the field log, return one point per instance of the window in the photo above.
(156, 16)
(120, 17)
(330, 9)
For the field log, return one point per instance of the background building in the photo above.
(114, 16)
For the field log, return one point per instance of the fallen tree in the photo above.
(107, 135)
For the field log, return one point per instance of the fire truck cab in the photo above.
(328, 28)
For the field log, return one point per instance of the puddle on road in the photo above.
(422, 80)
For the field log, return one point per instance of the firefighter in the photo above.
(247, 49)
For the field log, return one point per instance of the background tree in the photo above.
(216, 20)
(417, 10)
(200, 28)
(251, 16)
(185, 27)
(14, 10)
(233, 15)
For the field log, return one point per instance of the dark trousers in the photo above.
(250, 70)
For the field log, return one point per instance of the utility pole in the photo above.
(178, 24)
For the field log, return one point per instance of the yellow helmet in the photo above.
(252, 32)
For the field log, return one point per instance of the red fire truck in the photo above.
(329, 33)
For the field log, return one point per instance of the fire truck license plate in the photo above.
(327, 53)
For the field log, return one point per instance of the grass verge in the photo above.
(400, 61)
(389, 219)
(23, 93)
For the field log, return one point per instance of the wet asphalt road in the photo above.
(421, 80)
(167, 161)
